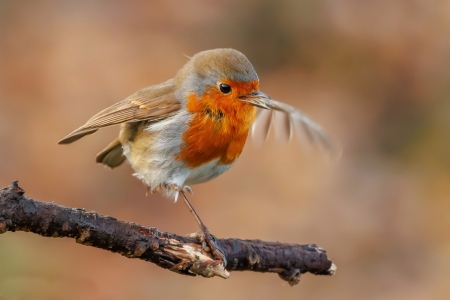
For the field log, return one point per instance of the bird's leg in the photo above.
(203, 233)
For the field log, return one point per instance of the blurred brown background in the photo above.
(375, 74)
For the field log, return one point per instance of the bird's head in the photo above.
(223, 76)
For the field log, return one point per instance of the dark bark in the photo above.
(180, 254)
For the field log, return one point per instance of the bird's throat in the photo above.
(218, 130)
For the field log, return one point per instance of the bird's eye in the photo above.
(225, 88)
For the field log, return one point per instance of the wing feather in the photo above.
(283, 126)
(295, 121)
(262, 126)
(152, 103)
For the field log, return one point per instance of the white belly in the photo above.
(206, 172)
(153, 158)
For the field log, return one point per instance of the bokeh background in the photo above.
(374, 74)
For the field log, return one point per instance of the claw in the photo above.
(174, 187)
(199, 234)
(209, 244)
(195, 235)
(188, 189)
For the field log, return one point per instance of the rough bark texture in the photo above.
(180, 254)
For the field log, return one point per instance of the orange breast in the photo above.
(219, 127)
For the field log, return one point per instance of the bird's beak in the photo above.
(256, 98)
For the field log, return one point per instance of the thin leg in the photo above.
(205, 236)
(192, 210)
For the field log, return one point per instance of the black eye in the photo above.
(225, 88)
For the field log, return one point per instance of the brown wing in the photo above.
(152, 103)
(289, 120)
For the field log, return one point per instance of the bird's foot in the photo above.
(208, 241)
(209, 245)
(171, 187)
(178, 188)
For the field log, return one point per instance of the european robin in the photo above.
(193, 127)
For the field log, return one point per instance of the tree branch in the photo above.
(179, 254)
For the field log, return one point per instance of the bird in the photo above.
(193, 127)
